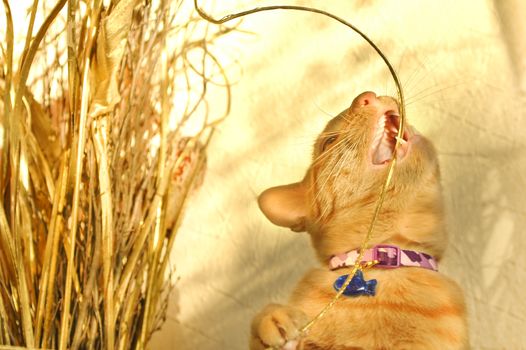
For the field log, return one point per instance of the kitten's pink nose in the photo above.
(364, 99)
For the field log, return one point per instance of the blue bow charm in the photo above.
(358, 285)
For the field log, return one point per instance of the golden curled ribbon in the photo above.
(357, 265)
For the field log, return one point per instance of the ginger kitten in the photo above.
(411, 305)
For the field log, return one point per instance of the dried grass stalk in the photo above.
(96, 163)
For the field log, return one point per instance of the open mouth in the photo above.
(384, 139)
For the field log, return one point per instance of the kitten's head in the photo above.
(336, 199)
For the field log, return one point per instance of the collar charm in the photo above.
(358, 285)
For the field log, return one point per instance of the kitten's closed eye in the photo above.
(328, 141)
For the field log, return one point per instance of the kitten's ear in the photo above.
(285, 205)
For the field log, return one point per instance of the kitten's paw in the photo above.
(277, 326)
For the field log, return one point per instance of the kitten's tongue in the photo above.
(384, 151)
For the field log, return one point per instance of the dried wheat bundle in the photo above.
(104, 125)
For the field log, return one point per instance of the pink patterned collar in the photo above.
(388, 256)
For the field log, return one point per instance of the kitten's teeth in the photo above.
(401, 140)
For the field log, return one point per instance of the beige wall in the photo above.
(463, 76)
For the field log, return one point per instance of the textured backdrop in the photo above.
(464, 75)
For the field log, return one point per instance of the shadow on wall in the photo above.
(487, 241)
(511, 15)
(484, 183)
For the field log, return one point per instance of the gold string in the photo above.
(357, 264)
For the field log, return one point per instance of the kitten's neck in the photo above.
(416, 223)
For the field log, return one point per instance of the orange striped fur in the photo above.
(414, 308)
